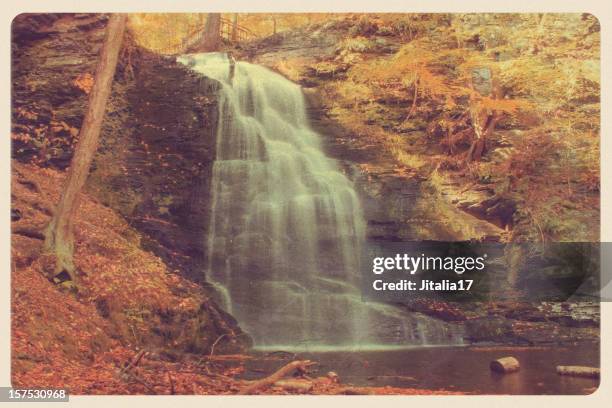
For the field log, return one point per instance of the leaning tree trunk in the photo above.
(211, 41)
(59, 234)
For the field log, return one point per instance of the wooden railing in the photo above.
(229, 31)
(234, 32)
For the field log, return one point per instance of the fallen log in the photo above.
(299, 365)
(505, 365)
(302, 386)
(578, 371)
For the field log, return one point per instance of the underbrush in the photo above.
(426, 105)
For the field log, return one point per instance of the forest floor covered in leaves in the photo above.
(83, 341)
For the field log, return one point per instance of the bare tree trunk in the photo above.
(479, 145)
(537, 43)
(483, 120)
(212, 33)
(414, 98)
(274, 25)
(235, 27)
(59, 234)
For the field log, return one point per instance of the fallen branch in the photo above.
(281, 354)
(212, 349)
(394, 377)
(230, 357)
(172, 390)
(299, 365)
(143, 382)
(134, 362)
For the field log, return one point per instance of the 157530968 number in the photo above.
(8, 394)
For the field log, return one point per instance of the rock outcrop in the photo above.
(154, 161)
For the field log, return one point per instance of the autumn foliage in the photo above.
(505, 106)
(59, 340)
(508, 103)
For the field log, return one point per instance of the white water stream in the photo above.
(287, 227)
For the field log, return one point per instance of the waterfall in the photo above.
(286, 227)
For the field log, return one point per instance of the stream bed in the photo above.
(462, 369)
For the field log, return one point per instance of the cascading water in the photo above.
(286, 227)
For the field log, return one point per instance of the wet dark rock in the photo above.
(157, 142)
(169, 161)
(536, 324)
(493, 208)
(197, 332)
(446, 311)
(490, 329)
(572, 314)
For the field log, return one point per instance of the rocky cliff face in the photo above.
(156, 170)
(52, 56)
(397, 205)
(157, 143)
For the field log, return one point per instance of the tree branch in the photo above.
(299, 365)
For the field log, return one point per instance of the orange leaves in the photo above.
(435, 85)
(61, 129)
(510, 106)
(84, 82)
(411, 66)
(59, 340)
(22, 137)
(39, 136)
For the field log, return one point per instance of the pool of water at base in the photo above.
(461, 369)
